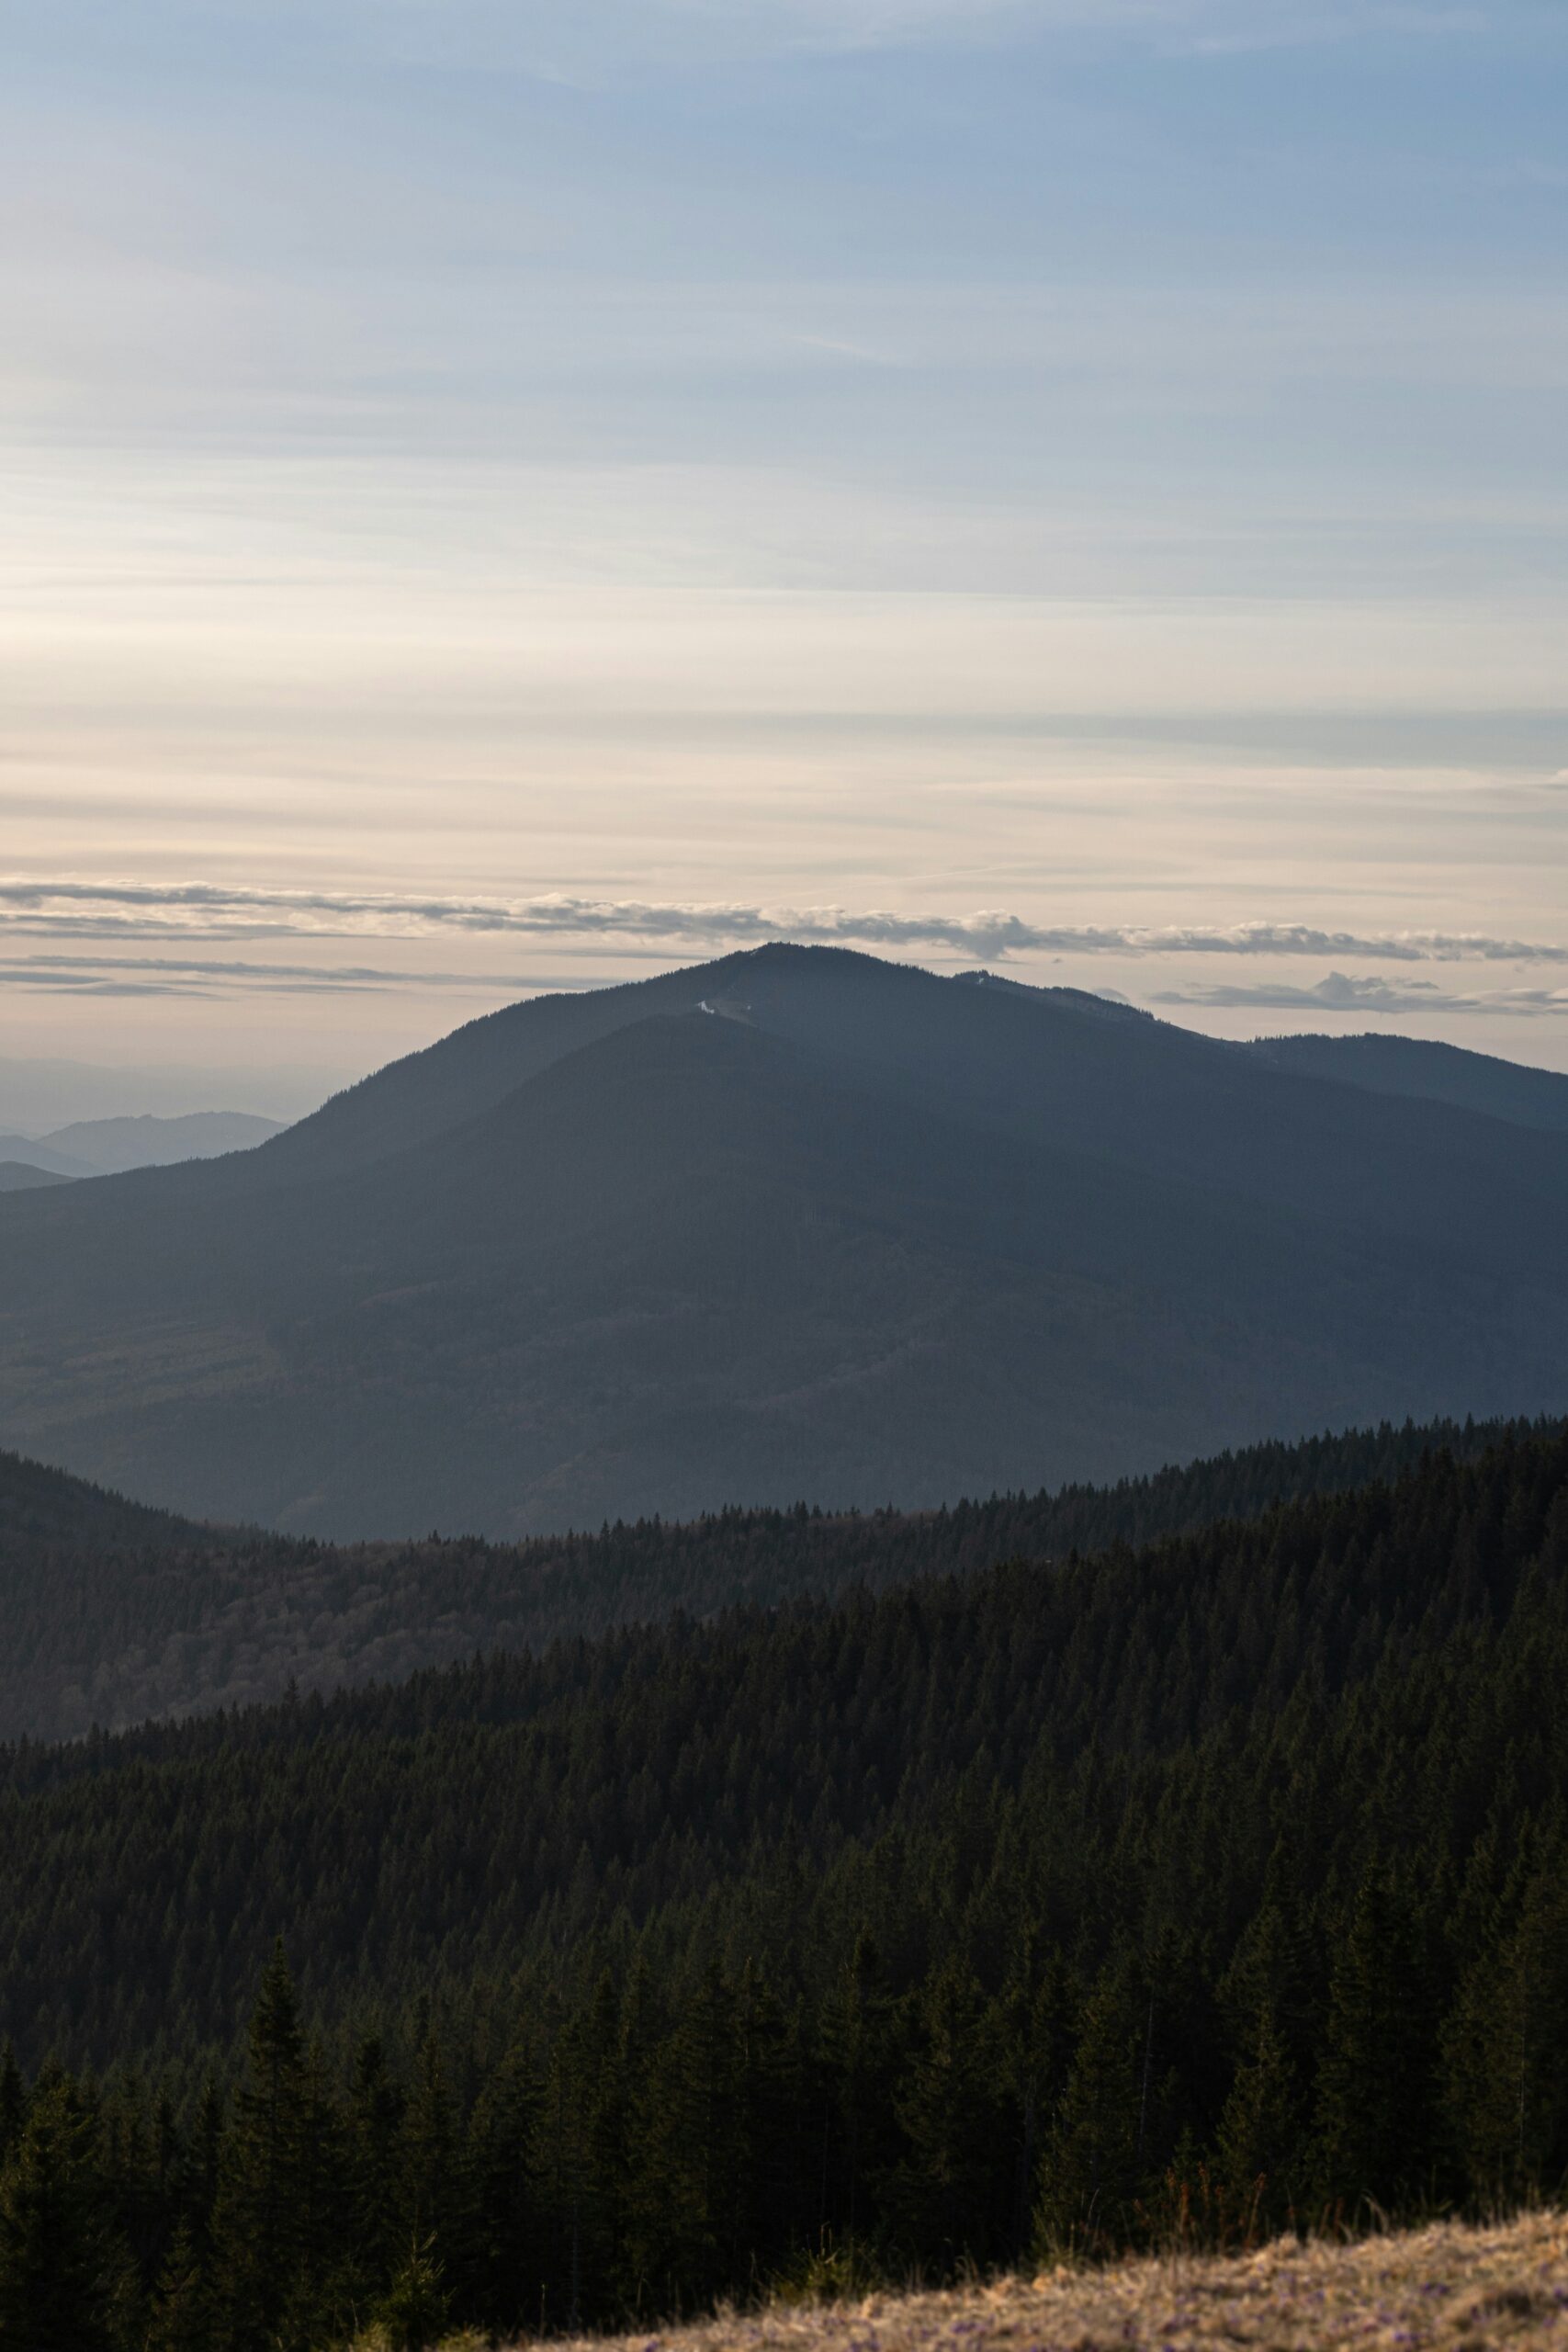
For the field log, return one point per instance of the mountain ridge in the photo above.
(111, 1612)
(875, 1234)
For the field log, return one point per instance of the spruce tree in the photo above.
(1375, 2077)
(431, 2200)
(509, 2255)
(66, 2280)
(1089, 2172)
(942, 2192)
(1507, 2093)
(183, 2316)
(374, 2168)
(413, 2310)
(1258, 2138)
(261, 2222)
(861, 2061)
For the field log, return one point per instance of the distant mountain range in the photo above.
(794, 1223)
(109, 1147)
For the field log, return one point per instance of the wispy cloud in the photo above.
(220, 976)
(1353, 992)
(71, 909)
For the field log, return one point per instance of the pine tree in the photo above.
(374, 2168)
(1259, 2129)
(261, 2222)
(942, 2192)
(1506, 2093)
(685, 2178)
(861, 2060)
(765, 2215)
(509, 2257)
(413, 2310)
(181, 2316)
(431, 2192)
(206, 2163)
(1038, 2026)
(66, 2282)
(1089, 2172)
(1375, 2076)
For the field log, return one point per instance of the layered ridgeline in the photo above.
(1184, 1889)
(109, 1146)
(112, 1613)
(796, 1222)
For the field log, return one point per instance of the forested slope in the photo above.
(1426, 1068)
(1191, 1887)
(48, 1517)
(111, 1614)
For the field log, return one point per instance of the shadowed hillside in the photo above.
(22, 1176)
(1438, 1073)
(798, 1222)
(111, 1614)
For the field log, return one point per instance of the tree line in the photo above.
(652, 2146)
(1186, 1891)
(111, 1614)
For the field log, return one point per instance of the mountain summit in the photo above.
(794, 1223)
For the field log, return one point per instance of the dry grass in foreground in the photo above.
(1460, 2289)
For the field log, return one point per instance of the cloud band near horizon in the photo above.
(69, 909)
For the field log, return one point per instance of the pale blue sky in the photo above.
(506, 496)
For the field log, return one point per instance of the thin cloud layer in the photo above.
(144, 920)
(70, 909)
(1353, 992)
(216, 976)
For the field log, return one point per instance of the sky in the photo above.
(500, 496)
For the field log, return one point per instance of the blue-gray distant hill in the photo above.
(22, 1176)
(796, 1222)
(1436, 1073)
(109, 1146)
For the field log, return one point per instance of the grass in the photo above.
(1460, 2289)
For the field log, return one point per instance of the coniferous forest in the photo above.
(1193, 1889)
(111, 1614)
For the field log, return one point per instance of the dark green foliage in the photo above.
(1193, 1891)
(1505, 2036)
(111, 1614)
(1375, 2076)
(414, 2307)
(65, 2270)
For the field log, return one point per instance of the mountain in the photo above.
(22, 1176)
(45, 1515)
(111, 1614)
(1421, 1067)
(109, 1146)
(35, 1151)
(797, 1222)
